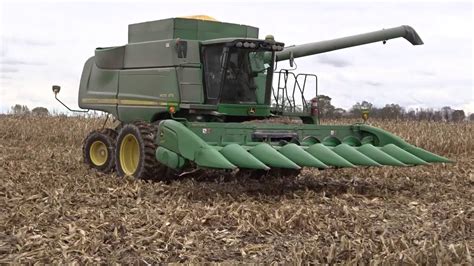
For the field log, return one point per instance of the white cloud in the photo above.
(48, 43)
(468, 107)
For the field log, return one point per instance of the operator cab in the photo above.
(238, 71)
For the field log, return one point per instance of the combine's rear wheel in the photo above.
(99, 150)
(135, 154)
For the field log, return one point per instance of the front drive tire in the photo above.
(135, 151)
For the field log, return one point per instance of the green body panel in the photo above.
(401, 154)
(190, 85)
(300, 156)
(177, 138)
(327, 156)
(110, 57)
(244, 109)
(374, 153)
(129, 114)
(155, 84)
(169, 158)
(98, 88)
(237, 155)
(271, 157)
(145, 92)
(352, 155)
(160, 53)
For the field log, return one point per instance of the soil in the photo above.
(53, 209)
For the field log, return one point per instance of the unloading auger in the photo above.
(189, 92)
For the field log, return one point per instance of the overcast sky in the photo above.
(45, 43)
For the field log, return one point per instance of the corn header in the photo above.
(191, 92)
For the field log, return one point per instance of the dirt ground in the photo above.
(53, 209)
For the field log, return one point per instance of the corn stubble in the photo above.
(53, 209)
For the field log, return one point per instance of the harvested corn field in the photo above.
(54, 209)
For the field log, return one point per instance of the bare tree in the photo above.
(458, 115)
(40, 111)
(19, 109)
(326, 109)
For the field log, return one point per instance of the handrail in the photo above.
(289, 97)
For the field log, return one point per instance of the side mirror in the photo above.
(56, 89)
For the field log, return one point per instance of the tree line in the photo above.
(327, 110)
(391, 111)
(19, 109)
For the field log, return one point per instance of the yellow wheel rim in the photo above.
(98, 153)
(129, 154)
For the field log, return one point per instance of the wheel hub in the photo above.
(98, 153)
(129, 154)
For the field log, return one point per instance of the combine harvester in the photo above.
(187, 92)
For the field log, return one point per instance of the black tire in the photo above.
(110, 133)
(143, 164)
(98, 150)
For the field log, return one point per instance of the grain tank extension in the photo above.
(190, 93)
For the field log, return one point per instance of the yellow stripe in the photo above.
(127, 102)
(142, 102)
(99, 101)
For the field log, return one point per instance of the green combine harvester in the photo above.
(197, 93)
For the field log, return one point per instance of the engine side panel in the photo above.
(98, 88)
(144, 92)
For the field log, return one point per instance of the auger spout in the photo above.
(296, 51)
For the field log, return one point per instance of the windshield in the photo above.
(235, 75)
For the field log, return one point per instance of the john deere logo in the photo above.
(251, 110)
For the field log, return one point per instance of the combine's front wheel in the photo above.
(135, 154)
(99, 150)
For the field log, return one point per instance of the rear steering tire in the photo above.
(98, 150)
